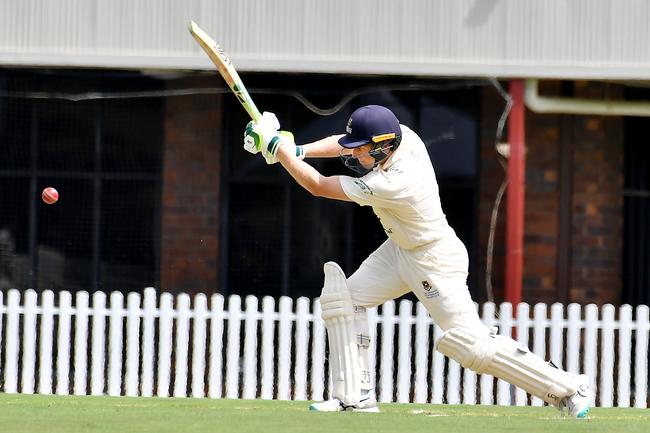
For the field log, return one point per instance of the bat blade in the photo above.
(226, 69)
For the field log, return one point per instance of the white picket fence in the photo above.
(165, 346)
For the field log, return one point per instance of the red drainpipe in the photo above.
(515, 198)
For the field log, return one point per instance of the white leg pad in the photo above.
(363, 344)
(338, 315)
(506, 359)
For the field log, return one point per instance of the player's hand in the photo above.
(258, 134)
(264, 137)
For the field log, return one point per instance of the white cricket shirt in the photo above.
(403, 193)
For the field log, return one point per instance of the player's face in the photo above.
(362, 154)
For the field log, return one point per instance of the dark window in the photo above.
(104, 158)
(636, 240)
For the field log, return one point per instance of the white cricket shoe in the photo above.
(578, 403)
(368, 403)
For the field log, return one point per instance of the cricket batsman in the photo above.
(421, 254)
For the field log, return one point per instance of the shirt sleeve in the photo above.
(377, 188)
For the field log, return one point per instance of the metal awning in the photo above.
(578, 39)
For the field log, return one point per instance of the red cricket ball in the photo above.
(50, 195)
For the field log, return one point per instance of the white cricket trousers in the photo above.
(436, 275)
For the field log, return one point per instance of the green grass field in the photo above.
(58, 414)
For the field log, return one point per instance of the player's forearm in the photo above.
(306, 175)
(309, 178)
(327, 147)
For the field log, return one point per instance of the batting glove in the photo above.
(264, 137)
(260, 133)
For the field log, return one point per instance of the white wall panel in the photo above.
(527, 38)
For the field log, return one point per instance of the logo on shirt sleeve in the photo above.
(363, 186)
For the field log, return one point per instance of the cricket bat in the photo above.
(226, 69)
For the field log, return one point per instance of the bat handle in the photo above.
(255, 114)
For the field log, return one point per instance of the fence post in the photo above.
(181, 344)
(437, 370)
(148, 336)
(422, 326)
(29, 342)
(80, 386)
(232, 351)
(591, 344)
(46, 343)
(132, 344)
(250, 348)
(11, 356)
(98, 338)
(268, 366)
(641, 356)
(624, 355)
(284, 348)
(302, 341)
(404, 351)
(317, 354)
(574, 325)
(198, 346)
(165, 344)
(607, 357)
(387, 351)
(216, 347)
(115, 344)
(63, 344)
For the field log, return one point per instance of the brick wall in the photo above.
(190, 203)
(592, 252)
(597, 221)
(541, 236)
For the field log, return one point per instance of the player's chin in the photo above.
(368, 165)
